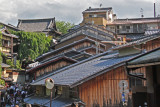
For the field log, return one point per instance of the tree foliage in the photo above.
(1, 81)
(63, 26)
(31, 45)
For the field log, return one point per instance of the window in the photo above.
(117, 27)
(95, 15)
(127, 27)
(123, 28)
(133, 81)
(90, 15)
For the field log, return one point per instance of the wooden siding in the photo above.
(59, 45)
(52, 67)
(151, 44)
(81, 45)
(104, 89)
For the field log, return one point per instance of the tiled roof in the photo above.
(36, 25)
(45, 101)
(148, 57)
(137, 42)
(62, 48)
(51, 60)
(134, 37)
(151, 32)
(72, 65)
(97, 9)
(135, 21)
(36, 100)
(7, 34)
(10, 26)
(93, 30)
(7, 79)
(76, 75)
(3, 65)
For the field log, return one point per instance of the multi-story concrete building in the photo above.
(134, 25)
(98, 16)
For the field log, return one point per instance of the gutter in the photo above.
(132, 75)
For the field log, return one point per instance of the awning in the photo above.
(45, 101)
(63, 102)
(36, 100)
(146, 59)
(7, 79)
(5, 65)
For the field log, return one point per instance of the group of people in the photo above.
(14, 95)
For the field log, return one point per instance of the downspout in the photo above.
(128, 73)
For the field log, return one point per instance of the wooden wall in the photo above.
(59, 45)
(104, 89)
(52, 67)
(76, 46)
(151, 44)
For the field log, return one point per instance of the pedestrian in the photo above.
(23, 94)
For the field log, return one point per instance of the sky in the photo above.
(71, 10)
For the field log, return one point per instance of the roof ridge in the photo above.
(73, 65)
(37, 19)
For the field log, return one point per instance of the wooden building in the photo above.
(74, 46)
(9, 43)
(95, 81)
(9, 26)
(47, 26)
(103, 80)
(150, 95)
(147, 43)
(86, 38)
(6, 74)
(10, 75)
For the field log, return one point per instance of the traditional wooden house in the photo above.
(94, 81)
(75, 46)
(47, 26)
(101, 80)
(9, 26)
(9, 43)
(10, 75)
(86, 38)
(6, 74)
(149, 95)
(148, 43)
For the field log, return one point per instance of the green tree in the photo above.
(64, 26)
(32, 45)
(1, 81)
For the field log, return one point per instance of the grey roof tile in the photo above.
(3, 65)
(36, 25)
(75, 75)
(139, 41)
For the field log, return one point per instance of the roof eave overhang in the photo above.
(97, 74)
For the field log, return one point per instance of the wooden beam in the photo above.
(143, 65)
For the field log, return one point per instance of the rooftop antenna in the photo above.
(154, 9)
(100, 5)
(141, 13)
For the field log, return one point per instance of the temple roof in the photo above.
(37, 25)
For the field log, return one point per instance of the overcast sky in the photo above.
(71, 10)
